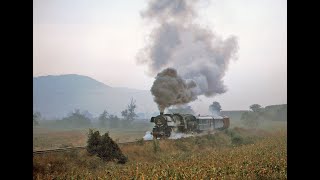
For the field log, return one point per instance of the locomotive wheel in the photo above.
(168, 135)
(168, 132)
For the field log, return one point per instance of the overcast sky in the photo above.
(101, 39)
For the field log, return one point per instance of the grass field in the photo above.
(237, 153)
(50, 138)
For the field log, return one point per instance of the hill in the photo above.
(56, 96)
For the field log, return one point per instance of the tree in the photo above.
(77, 119)
(36, 118)
(103, 118)
(87, 114)
(114, 121)
(255, 107)
(129, 113)
(215, 108)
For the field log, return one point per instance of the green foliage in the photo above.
(104, 147)
(76, 119)
(93, 142)
(255, 107)
(103, 118)
(237, 140)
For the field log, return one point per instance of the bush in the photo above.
(93, 142)
(104, 147)
(237, 140)
(239, 137)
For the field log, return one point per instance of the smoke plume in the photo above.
(178, 44)
(170, 89)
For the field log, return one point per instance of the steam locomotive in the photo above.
(165, 124)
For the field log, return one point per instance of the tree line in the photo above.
(252, 118)
(81, 119)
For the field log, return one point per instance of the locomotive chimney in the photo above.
(161, 113)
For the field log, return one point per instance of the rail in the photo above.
(69, 148)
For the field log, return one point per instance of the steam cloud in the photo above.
(148, 136)
(174, 135)
(179, 44)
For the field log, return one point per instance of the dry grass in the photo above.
(235, 154)
(56, 139)
(50, 139)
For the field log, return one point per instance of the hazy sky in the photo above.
(101, 38)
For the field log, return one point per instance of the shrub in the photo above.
(237, 140)
(93, 142)
(104, 147)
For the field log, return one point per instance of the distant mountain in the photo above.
(56, 96)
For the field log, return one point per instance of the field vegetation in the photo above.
(236, 153)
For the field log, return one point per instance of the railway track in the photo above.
(58, 150)
(70, 148)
